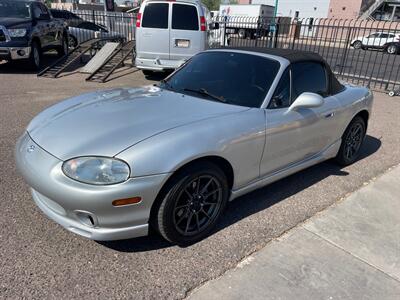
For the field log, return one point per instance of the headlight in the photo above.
(96, 170)
(21, 32)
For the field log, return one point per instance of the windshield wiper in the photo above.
(166, 85)
(204, 92)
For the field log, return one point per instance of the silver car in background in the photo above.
(111, 164)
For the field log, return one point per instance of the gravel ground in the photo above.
(39, 259)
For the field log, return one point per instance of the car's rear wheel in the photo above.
(35, 57)
(192, 203)
(357, 45)
(72, 41)
(391, 49)
(352, 140)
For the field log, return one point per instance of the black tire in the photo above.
(64, 48)
(357, 45)
(352, 140)
(72, 41)
(242, 33)
(186, 215)
(391, 49)
(35, 57)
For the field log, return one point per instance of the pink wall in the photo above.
(344, 9)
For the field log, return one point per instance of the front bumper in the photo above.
(15, 53)
(86, 209)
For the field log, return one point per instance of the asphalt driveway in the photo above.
(39, 259)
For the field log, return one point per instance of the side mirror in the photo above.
(307, 100)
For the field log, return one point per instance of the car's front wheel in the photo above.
(192, 203)
(35, 57)
(357, 45)
(352, 140)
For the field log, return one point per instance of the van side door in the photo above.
(188, 34)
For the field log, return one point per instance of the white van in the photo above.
(170, 32)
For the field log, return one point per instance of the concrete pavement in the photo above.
(349, 251)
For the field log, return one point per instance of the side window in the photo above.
(36, 11)
(281, 97)
(384, 35)
(45, 12)
(308, 77)
(185, 17)
(155, 15)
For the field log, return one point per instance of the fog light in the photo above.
(21, 52)
(127, 201)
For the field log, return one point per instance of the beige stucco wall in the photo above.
(344, 9)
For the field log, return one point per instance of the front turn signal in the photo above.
(127, 201)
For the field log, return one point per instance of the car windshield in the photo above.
(230, 77)
(14, 9)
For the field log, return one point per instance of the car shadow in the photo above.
(255, 201)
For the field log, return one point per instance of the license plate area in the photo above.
(181, 43)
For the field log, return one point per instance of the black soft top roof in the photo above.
(289, 54)
(294, 56)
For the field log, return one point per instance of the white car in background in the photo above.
(89, 30)
(377, 40)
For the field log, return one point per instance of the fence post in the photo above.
(93, 17)
(276, 32)
(346, 49)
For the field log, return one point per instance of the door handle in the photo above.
(330, 115)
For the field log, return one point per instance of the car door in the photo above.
(293, 136)
(153, 34)
(186, 37)
(53, 31)
(385, 38)
(372, 40)
(41, 29)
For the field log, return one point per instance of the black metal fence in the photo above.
(114, 23)
(362, 52)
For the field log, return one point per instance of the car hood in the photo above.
(11, 22)
(105, 123)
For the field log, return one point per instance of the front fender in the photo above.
(239, 138)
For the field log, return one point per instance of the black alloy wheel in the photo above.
(197, 205)
(191, 203)
(352, 140)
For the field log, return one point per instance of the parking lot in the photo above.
(39, 259)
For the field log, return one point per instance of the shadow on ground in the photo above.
(256, 201)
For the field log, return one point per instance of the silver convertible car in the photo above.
(112, 164)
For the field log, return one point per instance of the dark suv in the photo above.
(27, 29)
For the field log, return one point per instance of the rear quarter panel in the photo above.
(352, 101)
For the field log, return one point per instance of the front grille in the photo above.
(2, 36)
